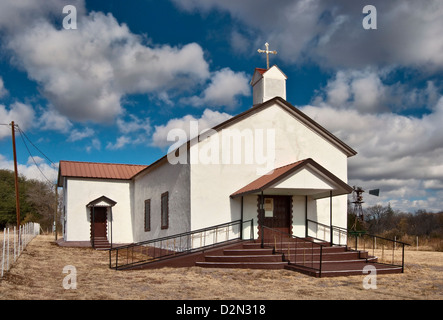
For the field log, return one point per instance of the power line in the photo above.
(21, 132)
(21, 135)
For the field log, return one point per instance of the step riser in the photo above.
(284, 245)
(345, 271)
(250, 258)
(325, 257)
(241, 265)
(244, 252)
(101, 243)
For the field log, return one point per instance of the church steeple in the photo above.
(268, 83)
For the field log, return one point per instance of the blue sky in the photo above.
(110, 90)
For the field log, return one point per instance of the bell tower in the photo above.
(268, 83)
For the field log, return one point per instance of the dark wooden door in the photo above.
(98, 222)
(277, 213)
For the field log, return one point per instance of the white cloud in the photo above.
(135, 131)
(77, 135)
(224, 89)
(331, 33)
(35, 160)
(52, 120)
(366, 90)
(3, 91)
(208, 119)
(95, 145)
(85, 72)
(22, 115)
(134, 124)
(401, 155)
(120, 143)
(30, 170)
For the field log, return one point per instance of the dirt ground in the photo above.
(38, 274)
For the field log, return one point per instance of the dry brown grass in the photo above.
(37, 274)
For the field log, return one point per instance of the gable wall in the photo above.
(211, 185)
(79, 192)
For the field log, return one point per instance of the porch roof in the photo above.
(101, 202)
(304, 177)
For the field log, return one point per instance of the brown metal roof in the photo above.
(263, 181)
(98, 170)
(280, 173)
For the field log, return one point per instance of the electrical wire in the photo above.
(21, 132)
(21, 135)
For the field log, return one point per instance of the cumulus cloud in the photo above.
(22, 115)
(331, 34)
(134, 131)
(208, 119)
(38, 170)
(89, 70)
(85, 73)
(223, 90)
(401, 155)
(134, 124)
(367, 91)
(3, 91)
(77, 135)
(120, 143)
(51, 119)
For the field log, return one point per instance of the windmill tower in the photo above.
(357, 200)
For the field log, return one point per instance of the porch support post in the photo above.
(93, 227)
(262, 218)
(330, 217)
(306, 216)
(241, 219)
(110, 217)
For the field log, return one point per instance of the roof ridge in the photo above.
(106, 163)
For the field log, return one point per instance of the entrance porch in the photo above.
(301, 199)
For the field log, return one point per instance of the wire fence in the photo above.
(14, 241)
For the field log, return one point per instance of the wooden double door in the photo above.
(277, 213)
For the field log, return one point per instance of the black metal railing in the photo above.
(332, 234)
(149, 251)
(297, 251)
(386, 250)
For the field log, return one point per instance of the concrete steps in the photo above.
(245, 257)
(303, 257)
(101, 243)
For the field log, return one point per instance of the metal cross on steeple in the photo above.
(267, 53)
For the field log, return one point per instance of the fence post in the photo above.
(15, 246)
(7, 256)
(3, 251)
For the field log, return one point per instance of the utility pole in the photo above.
(17, 199)
(56, 211)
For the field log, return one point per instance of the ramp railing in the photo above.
(140, 253)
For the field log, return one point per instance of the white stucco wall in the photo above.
(79, 192)
(173, 179)
(212, 184)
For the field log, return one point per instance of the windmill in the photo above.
(357, 200)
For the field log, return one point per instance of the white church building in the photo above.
(271, 156)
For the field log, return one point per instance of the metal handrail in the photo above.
(374, 239)
(148, 251)
(332, 229)
(307, 263)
